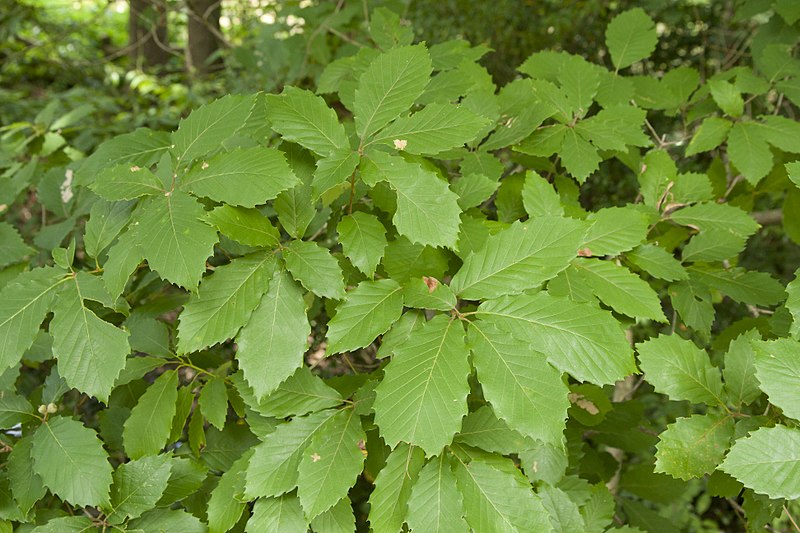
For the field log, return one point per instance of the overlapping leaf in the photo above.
(577, 338)
(519, 258)
(768, 461)
(389, 86)
(174, 238)
(224, 302)
(246, 177)
(422, 397)
(272, 344)
(520, 384)
(70, 460)
(369, 310)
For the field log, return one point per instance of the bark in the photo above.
(204, 35)
(147, 33)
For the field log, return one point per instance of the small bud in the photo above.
(52, 408)
(42, 409)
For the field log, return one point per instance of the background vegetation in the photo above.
(75, 74)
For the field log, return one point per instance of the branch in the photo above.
(769, 217)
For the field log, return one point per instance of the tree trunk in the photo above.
(204, 32)
(147, 33)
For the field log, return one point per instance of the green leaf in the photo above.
(711, 216)
(522, 387)
(678, 368)
(615, 128)
(520, 257)
(247, 226)
(315, 268)
(23, 305)
(147, 429)
(208, 126)
(727, 97)
(186, 476)
(161, 520)
(126, 182)
(473, 189)
(579, 81)
(792, 303)
(630, 37)
(422, 397)
(621, 289)
(388, 503)
(123, 259)
(337, 519)
(564, 514)
(543, 462)
(748, 286)
(301, 393)
(27, 485)
(571, 284)
(273, 468)
(404, 260)
(12, 248)
(482, 429)
(272, 343)
(368, 311)
(577, 338)
(693, 303)
(106, 220)
(213, 402)
(277, 514)
(768, 461)
(331, 463)
(578, 156)
(711, 133)
(498, 499)
(302, 117)
(436, 505)
(427, 210)
(713, 245)
(138, 485)
(224, 302)
(334, 172)
(434, 129)
(295, 209)
(246, 177)
(780, 132)
(389, 86)
(363, 240)
(225, 505)
(692, 447)
(544, 142)
(615, 230)
(428, 293)
(66, 524)
(749, 151)
(793, 170)
(657, 262)
(174, 238)
(142, 147)
(91, 352)
(778, 370)
(539, 197)
(70, 460)
(740, 369)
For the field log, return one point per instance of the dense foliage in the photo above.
(396, 299)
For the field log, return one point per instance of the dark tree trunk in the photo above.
(204, 32)
(147, 33)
